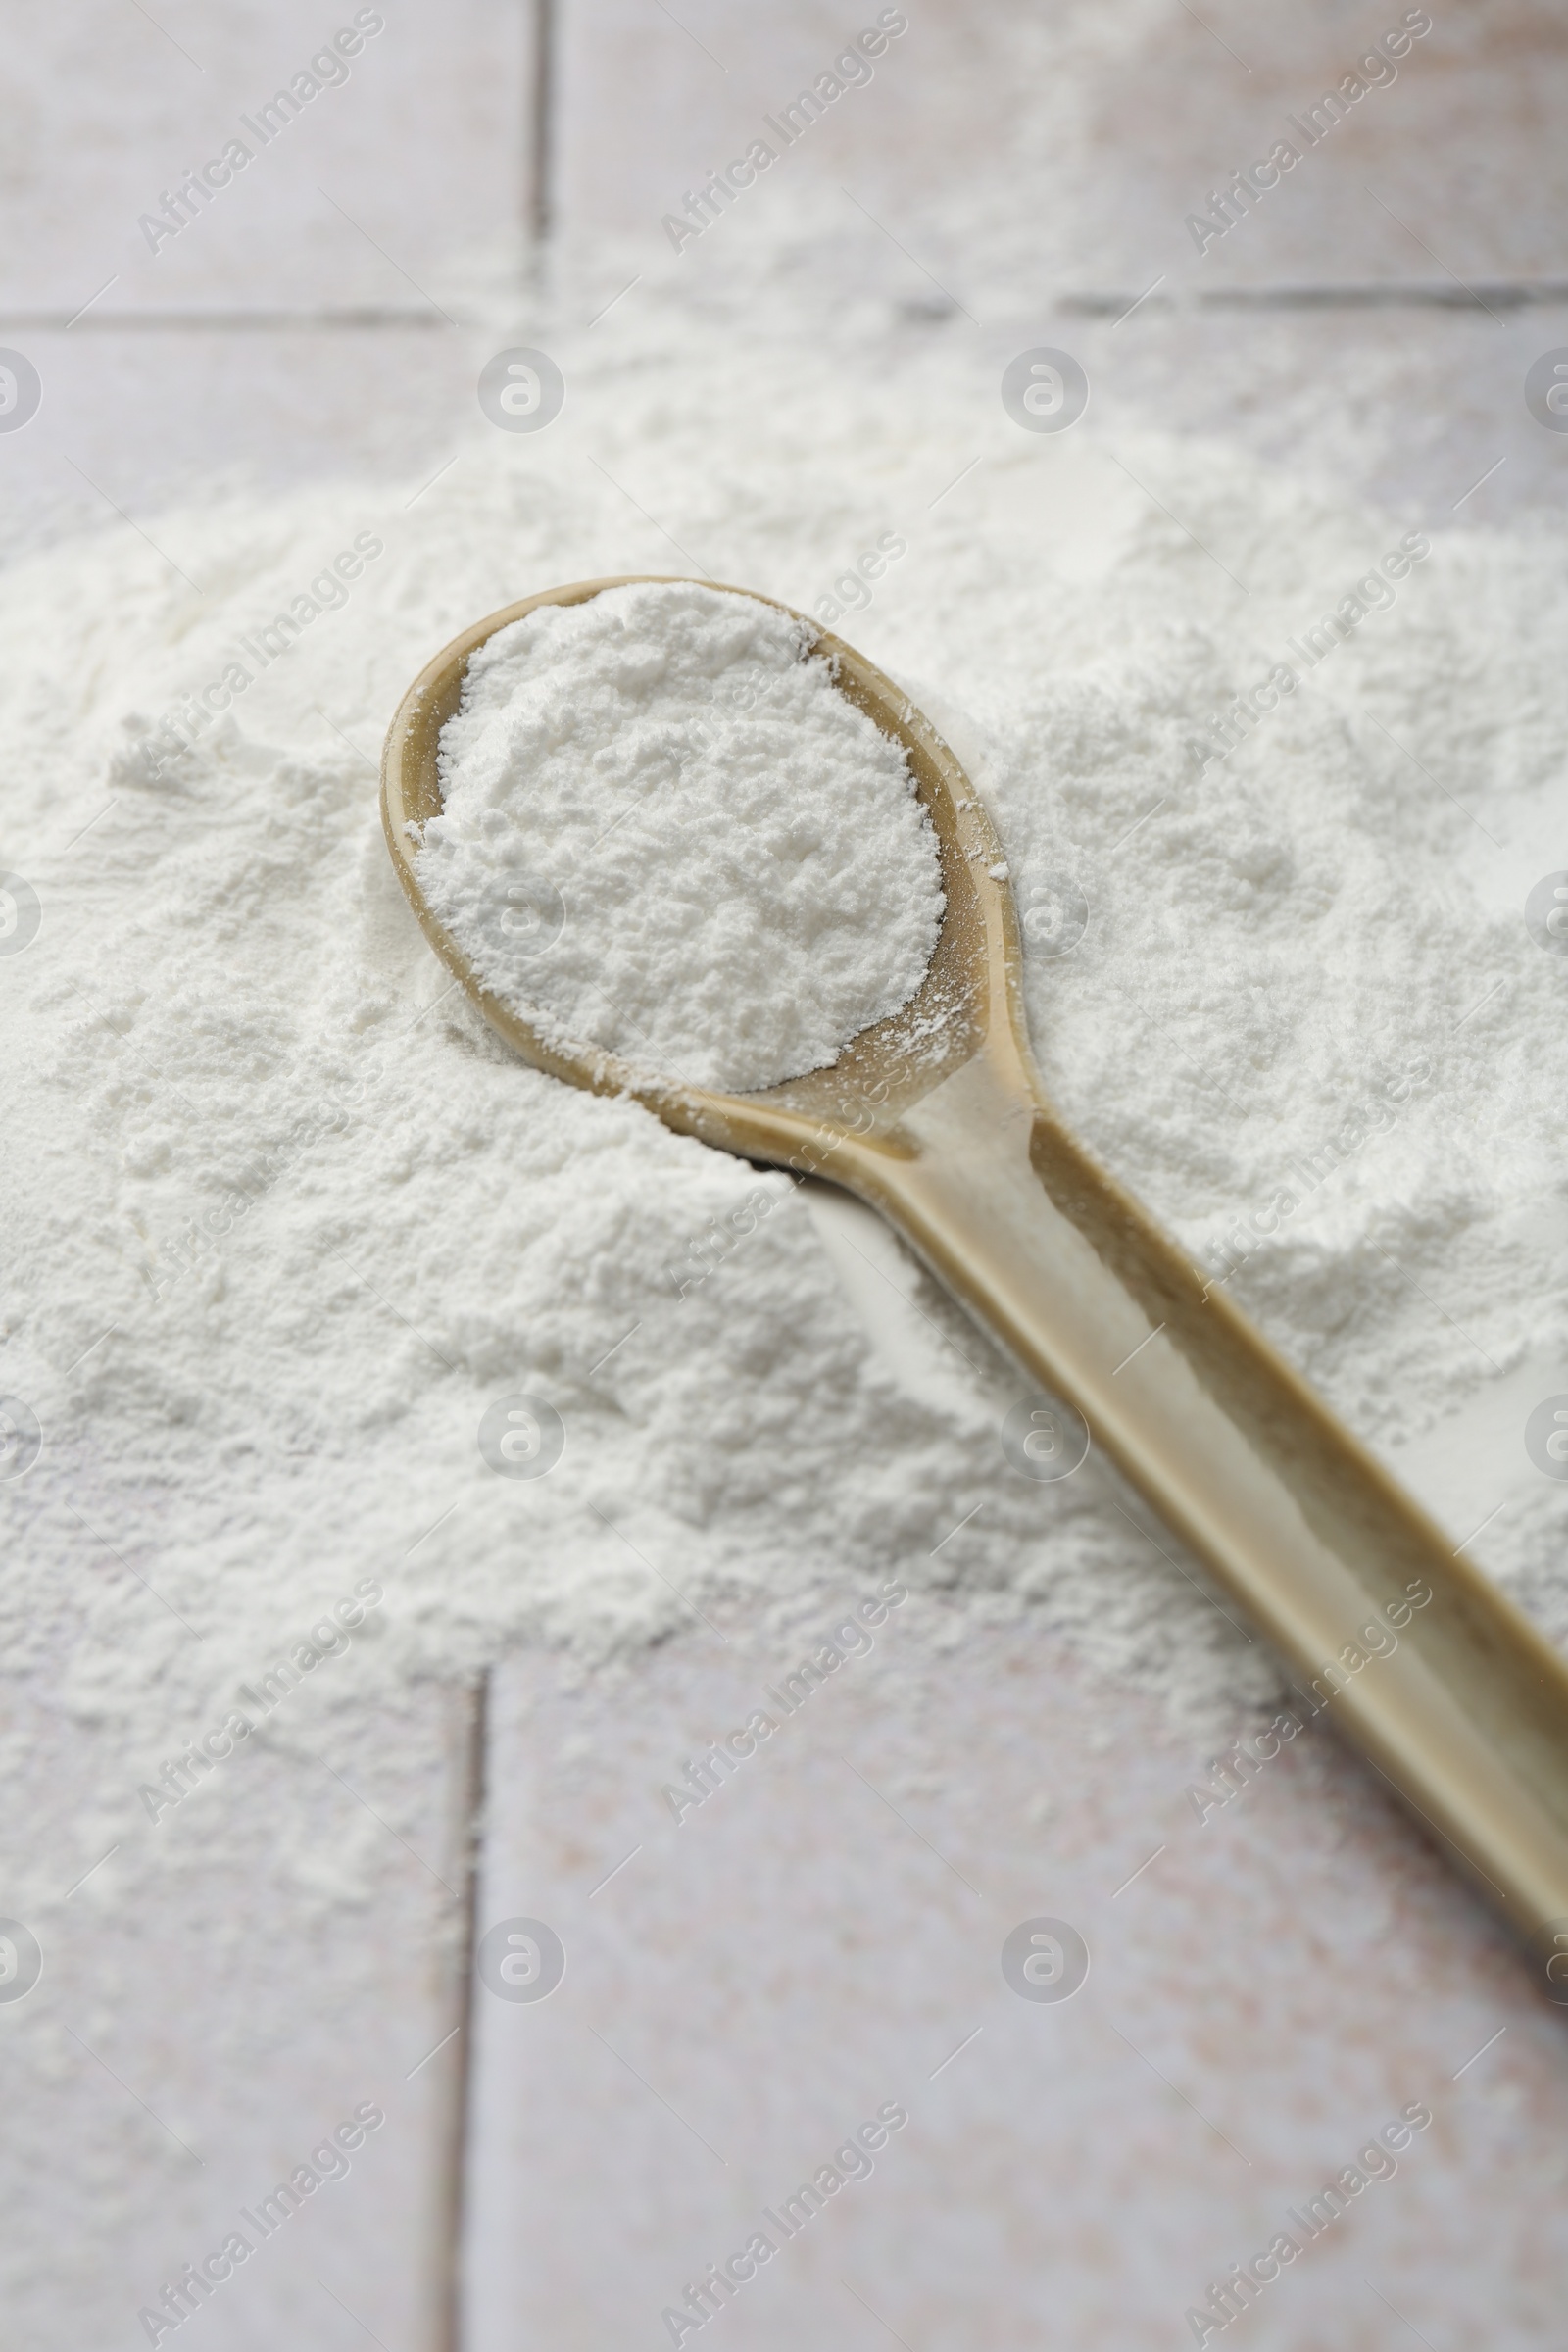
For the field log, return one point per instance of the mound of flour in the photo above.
(285, 1220)
(665, 831)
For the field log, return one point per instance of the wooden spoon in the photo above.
(938, 1117)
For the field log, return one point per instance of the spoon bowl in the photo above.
(972, 978)
(937, 1116)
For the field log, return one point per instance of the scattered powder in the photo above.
(665, 831)
(284, 1219)
(281, 1218)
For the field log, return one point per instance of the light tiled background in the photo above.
(1269, 1989)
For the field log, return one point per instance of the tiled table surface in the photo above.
(1275, 1985)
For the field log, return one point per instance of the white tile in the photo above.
(419, 152)
(822, 1934)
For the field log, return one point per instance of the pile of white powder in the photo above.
(665, 831)
(284, 1219)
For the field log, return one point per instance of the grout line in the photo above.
(200, 320)
(539, 208)
(1094, 305)
(1391, 294)
(454, 2187)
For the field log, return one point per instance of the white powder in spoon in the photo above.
(667, 831)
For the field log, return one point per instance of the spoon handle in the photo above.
(1438, 1680)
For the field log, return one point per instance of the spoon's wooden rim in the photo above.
(974, 974)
